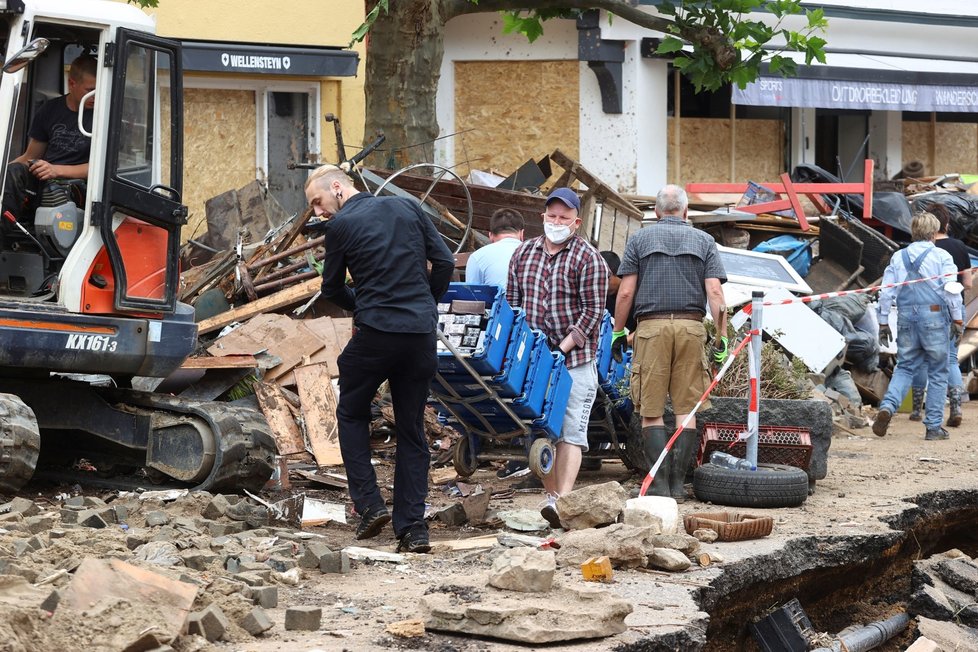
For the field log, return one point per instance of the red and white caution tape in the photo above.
(647, 482)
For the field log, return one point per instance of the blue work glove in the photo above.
(885, 335)
(719, 351)
(619, 342)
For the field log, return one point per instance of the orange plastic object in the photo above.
(143, 248)
(597, 569)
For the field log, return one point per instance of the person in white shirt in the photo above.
(489, 265)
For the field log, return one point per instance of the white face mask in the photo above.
(557, 233)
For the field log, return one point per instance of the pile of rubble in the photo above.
(945, 588)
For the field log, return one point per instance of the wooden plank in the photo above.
(237, 361)
(300, 344)
(277, 301)
(600, 188)
(331, 480)
(277, 412)
(319, 412)
(159, 603)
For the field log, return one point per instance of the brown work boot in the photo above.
(882, 422)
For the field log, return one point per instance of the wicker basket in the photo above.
(730, 526)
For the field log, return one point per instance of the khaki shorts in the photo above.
(669, 359)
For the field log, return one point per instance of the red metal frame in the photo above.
(793, 190)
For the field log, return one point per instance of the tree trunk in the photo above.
(404, 54)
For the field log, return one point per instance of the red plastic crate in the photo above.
(775, 444)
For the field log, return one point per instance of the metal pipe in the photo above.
(285, 271)
(275, 285)
(870, 636)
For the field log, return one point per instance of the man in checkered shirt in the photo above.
(561, 282)
(670, 273)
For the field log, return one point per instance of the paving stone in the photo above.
(121, 513)
(22, 506)
(40, 523)
(211, 623)
(199, 560)
(256, 622)
(136, 539)
(303, 618)
(249, 565)
(232, 564)
(107, 514)
(156, 519)
(313, 552)
(216, 508)
(57, 534)
(252, 578)
(68, 516)
(216, 529)
(924, 644)
(265, 596)
(94, 501)
(75, 501)
(51, 602)
(186, 524)
(91, 518)
(335, 562)
(280, 564)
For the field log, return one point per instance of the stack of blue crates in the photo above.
(617, 384)
(604, 347)
(515, 362)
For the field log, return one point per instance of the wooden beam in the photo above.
(599, 187)
(222, 362)
(277, 301)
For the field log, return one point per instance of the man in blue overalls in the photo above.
(928, 319)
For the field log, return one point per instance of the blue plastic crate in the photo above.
(529, 404)
(509, 383)
(613, 385)
(604, 347)
(488, 359)
(558, 393)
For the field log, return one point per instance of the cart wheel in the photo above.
(541, 457)
(462, 458)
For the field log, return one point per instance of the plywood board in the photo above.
(254, 336)
(705, 150)
(219, 150)
(506, 131)
(278, 413)
(293, 349)
(319, 412)
(916, 144)
(956, 148)
(240, 361)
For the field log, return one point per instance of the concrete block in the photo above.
(68, 516)
(256, 622)
(303, 618)
(265, 596)
(924, 644)
(251, 579)
(156, 519)
(136, 539)
(121, 513)
(94, 502)
(199, 560)
(313, 552)
(75, 501)
(21, 506)
(335, 562)
(452, 515)
(211, 623)
(57, 534)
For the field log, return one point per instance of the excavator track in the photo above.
(201, 445)
(20, 443)
(242, 455)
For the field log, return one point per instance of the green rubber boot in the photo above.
(654, 438)
(682, 455)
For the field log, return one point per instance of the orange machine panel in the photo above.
(143, 248)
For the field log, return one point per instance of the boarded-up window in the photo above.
(954, 150)
(517, 110)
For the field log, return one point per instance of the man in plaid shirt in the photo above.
(561, 282)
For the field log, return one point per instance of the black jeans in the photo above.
(408, 362)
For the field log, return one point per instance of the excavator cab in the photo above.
(89, 268)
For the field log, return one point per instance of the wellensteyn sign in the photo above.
(833, 94)
(207, 56)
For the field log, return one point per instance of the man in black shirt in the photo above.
(56, 149)
(385, 243)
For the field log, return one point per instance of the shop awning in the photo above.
(853, 94)
(250, 58)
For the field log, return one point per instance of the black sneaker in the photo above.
(512, 469)
(882, 422)
(415, 540)
(937, 434)
(372, 522)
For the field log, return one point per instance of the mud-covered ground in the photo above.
(871, 483)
